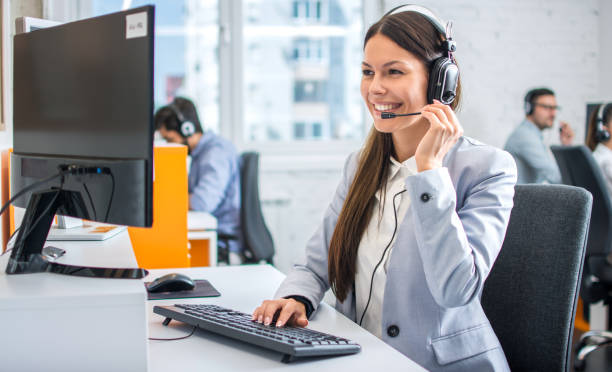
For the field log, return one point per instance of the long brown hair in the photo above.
(591, 140)
(413, 32)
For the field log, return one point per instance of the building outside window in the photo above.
(298, 65)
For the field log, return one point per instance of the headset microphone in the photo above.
(390, 115)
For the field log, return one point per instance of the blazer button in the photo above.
(393, 331)
(425, 197)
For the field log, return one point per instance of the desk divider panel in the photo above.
(164, 245)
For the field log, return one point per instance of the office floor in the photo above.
(598, 361)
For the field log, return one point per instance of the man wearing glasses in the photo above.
(534, 161)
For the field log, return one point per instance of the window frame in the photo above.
(231, 101)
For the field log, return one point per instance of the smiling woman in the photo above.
(419, 216)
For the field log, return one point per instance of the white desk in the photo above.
(68, 344)
(243, 288)
(203, 226)
(52, 322)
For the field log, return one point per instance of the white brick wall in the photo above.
(505, 48)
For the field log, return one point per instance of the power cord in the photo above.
(110, 200)
(63, 171)
(381, 257)
(28, 188)
(9, 242)
(176, 338)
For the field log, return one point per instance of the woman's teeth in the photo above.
(386, 107)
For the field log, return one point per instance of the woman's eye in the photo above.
(367, 72)
(395, 72)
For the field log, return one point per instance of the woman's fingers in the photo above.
(444, 130)
(292, 313)
(451, 118)
(289, 311)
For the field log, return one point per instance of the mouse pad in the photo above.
(203, 288)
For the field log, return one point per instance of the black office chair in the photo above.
(256, 237)
(531, 293)
(578, 168)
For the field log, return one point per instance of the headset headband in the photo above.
(449, 44)
(433, 19)
(186, 127)
(179, 115)
(600, 112)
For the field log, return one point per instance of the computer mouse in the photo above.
(171, 283)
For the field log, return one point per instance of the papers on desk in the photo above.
(89, 231)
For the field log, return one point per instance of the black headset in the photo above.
(601, 131)
(186, 127)
(444, 74)
(528, 103)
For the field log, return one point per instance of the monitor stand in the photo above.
(27, 255)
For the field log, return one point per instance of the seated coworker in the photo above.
(214, 176)
(417, 220)
(534, 160)
(598, 140)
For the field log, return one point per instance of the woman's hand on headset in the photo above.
(444, 131)
(290, 312)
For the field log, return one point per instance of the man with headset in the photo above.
(534, 161)
(214, 175)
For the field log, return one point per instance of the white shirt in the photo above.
(603, 157)
(376, 237)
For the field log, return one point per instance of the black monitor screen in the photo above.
(84, 89)
(83, 98)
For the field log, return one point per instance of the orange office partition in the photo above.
(6, 221)
(164, 245)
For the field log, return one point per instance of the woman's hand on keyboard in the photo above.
(288, 310)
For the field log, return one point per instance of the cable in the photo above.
(9, 242)
(45, 211)
(110, 200)
(381, 258)
(176, 338)
(93, 206)
(42, 215)
(28, 188)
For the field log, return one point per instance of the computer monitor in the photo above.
(83, 124)
(590, 108)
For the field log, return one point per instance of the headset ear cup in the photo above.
(187, 129)
(443, 79)
(528, 108)
(602, 134)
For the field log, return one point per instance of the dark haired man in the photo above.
(534, 161)
(214, 175)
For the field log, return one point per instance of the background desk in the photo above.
(202, 237)
(243, 288)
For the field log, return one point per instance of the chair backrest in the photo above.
(579, 168)
(257, 238)
(531, 293)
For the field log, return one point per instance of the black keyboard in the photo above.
(293, 342)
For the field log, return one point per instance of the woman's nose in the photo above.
(377, 86)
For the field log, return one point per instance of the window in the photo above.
(263, 73)
(310, 73)
(186, 51)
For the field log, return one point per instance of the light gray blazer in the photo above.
(445, 248)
